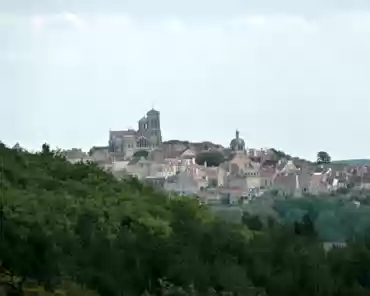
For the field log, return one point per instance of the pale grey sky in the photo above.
(289, 74)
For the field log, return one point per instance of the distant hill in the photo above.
(353, 161)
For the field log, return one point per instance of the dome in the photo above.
(237, 144)
(143, 119)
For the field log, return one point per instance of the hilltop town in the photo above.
(214, 172)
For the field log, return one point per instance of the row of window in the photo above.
(154, 123)
(140, 144)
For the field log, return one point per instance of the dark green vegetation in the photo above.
(335, 218)
(141, 153)
(353, 162)
(212, 158)
(77, 223)
(323, 157)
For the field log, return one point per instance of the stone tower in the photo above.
(154, 127)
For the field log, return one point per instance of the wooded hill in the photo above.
(74, 222)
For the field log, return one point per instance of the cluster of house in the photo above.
(245, 173)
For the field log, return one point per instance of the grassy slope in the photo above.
(353, 161)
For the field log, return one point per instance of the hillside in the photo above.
(74, 222)
(352, 162)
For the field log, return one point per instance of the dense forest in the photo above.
(337, 217)
(73, 225)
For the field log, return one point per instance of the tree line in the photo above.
(77, 223)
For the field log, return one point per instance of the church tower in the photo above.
(154, 127)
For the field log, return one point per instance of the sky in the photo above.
(288, 74)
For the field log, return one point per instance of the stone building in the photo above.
(148, 136)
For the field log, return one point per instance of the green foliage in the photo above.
(141, 153)
(335, 218)
(66, 222)
(280, 154)
(253, 222)
(75, 221)
(212, 158)
(323, 157)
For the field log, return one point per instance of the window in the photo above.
(142, 143)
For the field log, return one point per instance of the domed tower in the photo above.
(154, 127)
(143, 126)
(238, 143)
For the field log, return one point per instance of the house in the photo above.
(318, 183)
(239, 164)
(188, 154)
(361, 182)
(142, 168)
(239, 182)
(181, 183)
(158, 182)
(156, 155)
(252, 174)
(75, 155)
(287, 184)
(291, 182)
(232, 194)
(215, 176)
(119, 165)
(100, 154)
(287, 167)
(173, 149)
(267, 175)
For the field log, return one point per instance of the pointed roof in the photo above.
(289, 167)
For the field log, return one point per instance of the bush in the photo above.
(141, 153)
(212, 158)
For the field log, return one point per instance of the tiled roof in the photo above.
(94, 148)
(289, 167)
(172, 153)
(188, 154)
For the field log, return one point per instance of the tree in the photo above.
(278, 154)
(211, 158)
(323, 157)
(45, 148)
(17, 146)
(305, 227)
(253, 222)
(141, 153)
(64, 221)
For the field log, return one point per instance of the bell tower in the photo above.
(154, 127)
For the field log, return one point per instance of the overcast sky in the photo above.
(289, 74)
